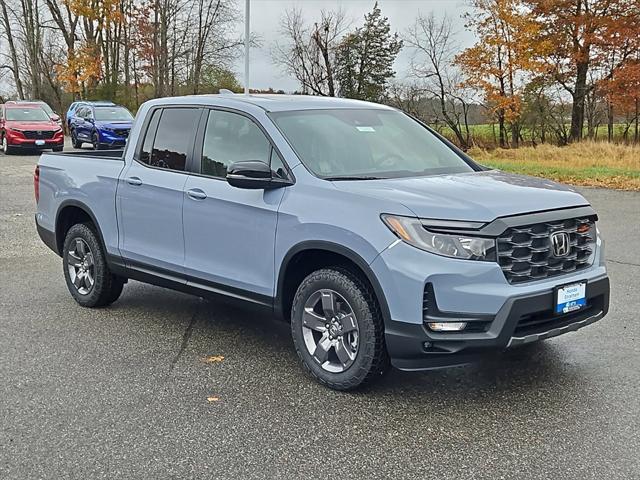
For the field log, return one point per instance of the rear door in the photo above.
(230, 232)
(151, 192)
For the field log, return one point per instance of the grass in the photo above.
(595, 164)
(485, 135)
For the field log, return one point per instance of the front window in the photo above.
(366, 143)
(27, 115)
(112, 114)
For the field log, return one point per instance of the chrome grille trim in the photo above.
(525, 252)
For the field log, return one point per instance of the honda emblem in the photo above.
(560, 242)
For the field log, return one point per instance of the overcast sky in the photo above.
(265, 20)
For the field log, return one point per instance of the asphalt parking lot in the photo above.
(125, 391)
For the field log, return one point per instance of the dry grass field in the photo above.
(596, 164)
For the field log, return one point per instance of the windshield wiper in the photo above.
(354, 177)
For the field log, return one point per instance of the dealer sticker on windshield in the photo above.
(570, 298)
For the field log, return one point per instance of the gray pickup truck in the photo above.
(377, 239)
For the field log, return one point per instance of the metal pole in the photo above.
(247, 33)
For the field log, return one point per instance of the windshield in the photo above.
(352, 143)
(112, 114)
(27, 115)
(47, 108)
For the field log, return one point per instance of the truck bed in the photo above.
(84, 179)
(93, 154)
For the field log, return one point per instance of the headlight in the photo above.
(412, 231)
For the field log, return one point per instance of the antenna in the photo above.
(225, 91)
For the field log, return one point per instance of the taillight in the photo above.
(36, 183)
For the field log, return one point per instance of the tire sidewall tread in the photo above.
(372, 359)
(107, 287)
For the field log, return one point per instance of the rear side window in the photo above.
(147, 146)
(169, 138)
(230, 138)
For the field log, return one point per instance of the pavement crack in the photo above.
(623, 263)
(186, 336)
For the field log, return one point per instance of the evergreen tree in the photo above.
(365, 58)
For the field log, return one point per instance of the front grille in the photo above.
(525, 253)
(122, 132)
(38, 134)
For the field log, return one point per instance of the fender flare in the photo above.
(334, 248)
(85, 209)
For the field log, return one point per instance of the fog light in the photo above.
(447, 326)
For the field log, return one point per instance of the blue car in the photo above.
(71, 111)
(104, 126)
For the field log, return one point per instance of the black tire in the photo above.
(6, 149)
(95, 141)
(371, 359)
(106, 287)
(74, 140)
(57, 149)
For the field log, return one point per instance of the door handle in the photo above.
(196, 194)
(134, 181)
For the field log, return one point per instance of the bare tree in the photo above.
(432, 63)
(309, 52)
(5, 22)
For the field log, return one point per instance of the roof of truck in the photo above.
(280, 103)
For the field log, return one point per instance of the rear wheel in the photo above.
(74, 140)
(338, 330)
(88, 277)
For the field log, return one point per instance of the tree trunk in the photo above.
(609, 121)
(502, 131)
(577, 109)
(12, 51)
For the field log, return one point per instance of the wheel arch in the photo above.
(325, 254)
(71, 212)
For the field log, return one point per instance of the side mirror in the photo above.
(252, 174)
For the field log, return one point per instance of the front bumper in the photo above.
(420, 287)
(520, 321)
(111, 140)
(30, 144)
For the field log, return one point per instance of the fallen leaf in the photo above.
(212, 399)
(213, 359)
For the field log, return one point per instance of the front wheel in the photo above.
(74, 139)
(337, 329)
(86, 272)
(6, 149)
(95, 141)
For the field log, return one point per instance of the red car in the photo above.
(28, 127)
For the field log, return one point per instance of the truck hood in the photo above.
(477, 196)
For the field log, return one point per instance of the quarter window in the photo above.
(229, 138)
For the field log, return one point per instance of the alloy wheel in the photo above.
(81, 266)
(330, 330)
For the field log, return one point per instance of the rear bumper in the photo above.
(521, 320)
(47, 236)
